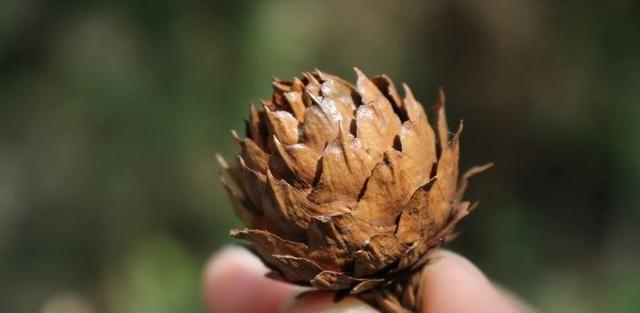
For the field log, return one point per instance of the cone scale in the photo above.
(347, 188)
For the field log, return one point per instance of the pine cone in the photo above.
(347, 188)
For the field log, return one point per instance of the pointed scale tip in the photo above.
(487, 166)
(221, 161)
(314, 98)
(408, 93)
(265, 107)
(280, 86)
(441, 97)
(243, 165)
(276, 141)
(476, 170)
(456, 137)
(222, 179)
(429, 183)
(323, 75)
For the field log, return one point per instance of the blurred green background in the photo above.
(111, 112)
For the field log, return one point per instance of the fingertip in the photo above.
(231, 258)
(453, 284)
(234, 282)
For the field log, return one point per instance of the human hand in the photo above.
(234, 282)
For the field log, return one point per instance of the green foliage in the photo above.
(111, 112)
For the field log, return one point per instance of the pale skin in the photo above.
(234, 282)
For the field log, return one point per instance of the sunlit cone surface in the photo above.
(346, 187)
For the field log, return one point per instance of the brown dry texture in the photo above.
(347, 187)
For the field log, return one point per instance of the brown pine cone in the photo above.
(347, 188)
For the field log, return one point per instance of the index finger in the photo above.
(234, 282)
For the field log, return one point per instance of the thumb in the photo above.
(453, 284)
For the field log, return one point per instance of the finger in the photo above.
(323, 303)
(234, 282)
(452, 284)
